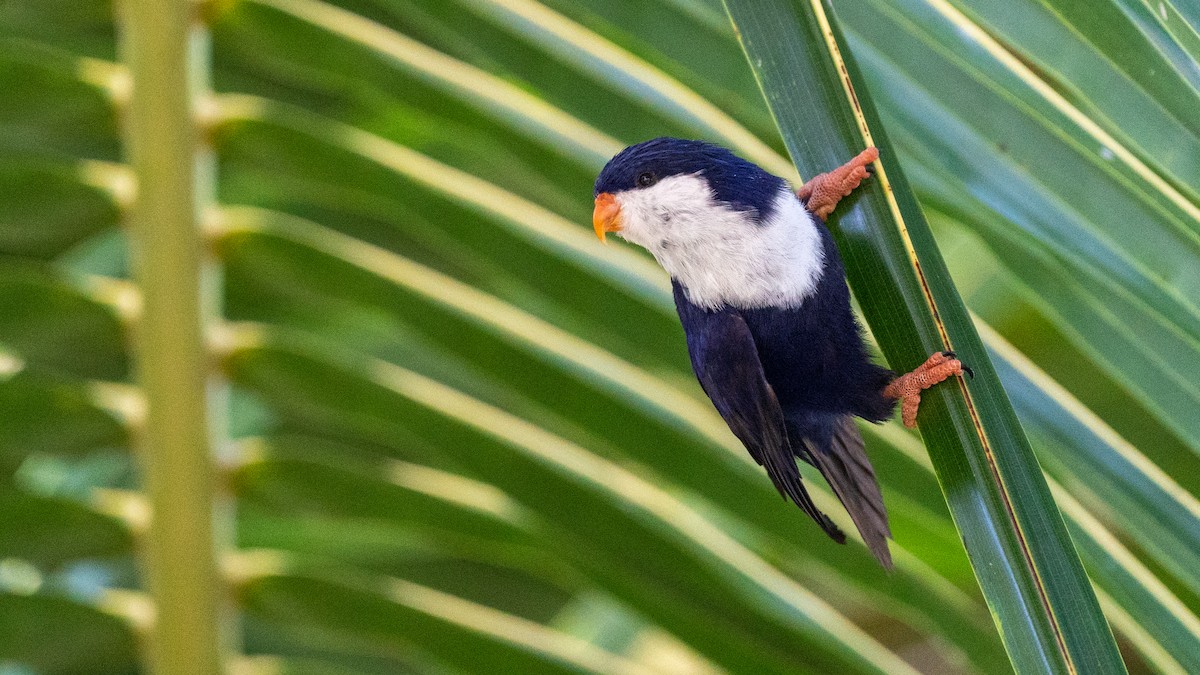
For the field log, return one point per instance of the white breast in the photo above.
(722, 256)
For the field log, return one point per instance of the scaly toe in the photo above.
(907, 388)
(935, 359)
(908, 410)
(867, 157)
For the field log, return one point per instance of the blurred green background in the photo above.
(455, 434)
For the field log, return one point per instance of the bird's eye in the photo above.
(646, 179)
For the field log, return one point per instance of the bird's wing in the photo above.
(843, 461)
(726, 363)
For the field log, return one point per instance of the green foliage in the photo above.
(464, 435)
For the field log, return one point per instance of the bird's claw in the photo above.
(822, 192)
(965, 368)
(908, 387)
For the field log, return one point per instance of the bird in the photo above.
(761, 293)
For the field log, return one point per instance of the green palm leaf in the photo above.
(466, 423)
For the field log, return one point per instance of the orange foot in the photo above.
(908, 387)
(822, 193)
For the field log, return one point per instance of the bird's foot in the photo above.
(822, 193)
(908, 387)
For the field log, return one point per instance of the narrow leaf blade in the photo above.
(1026, 565)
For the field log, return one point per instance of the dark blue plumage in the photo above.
(813, 355)
(741, 184)
(798, 376)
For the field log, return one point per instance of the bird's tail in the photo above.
(843, 462)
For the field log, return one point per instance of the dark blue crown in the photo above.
(733, 180)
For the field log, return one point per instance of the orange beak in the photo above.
(607, 215)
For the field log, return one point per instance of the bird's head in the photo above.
(673, 192)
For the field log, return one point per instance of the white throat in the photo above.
(719, 255)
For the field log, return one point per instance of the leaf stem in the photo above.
(165, 47)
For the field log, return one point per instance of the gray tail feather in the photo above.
(787, 480)
(845, 465)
